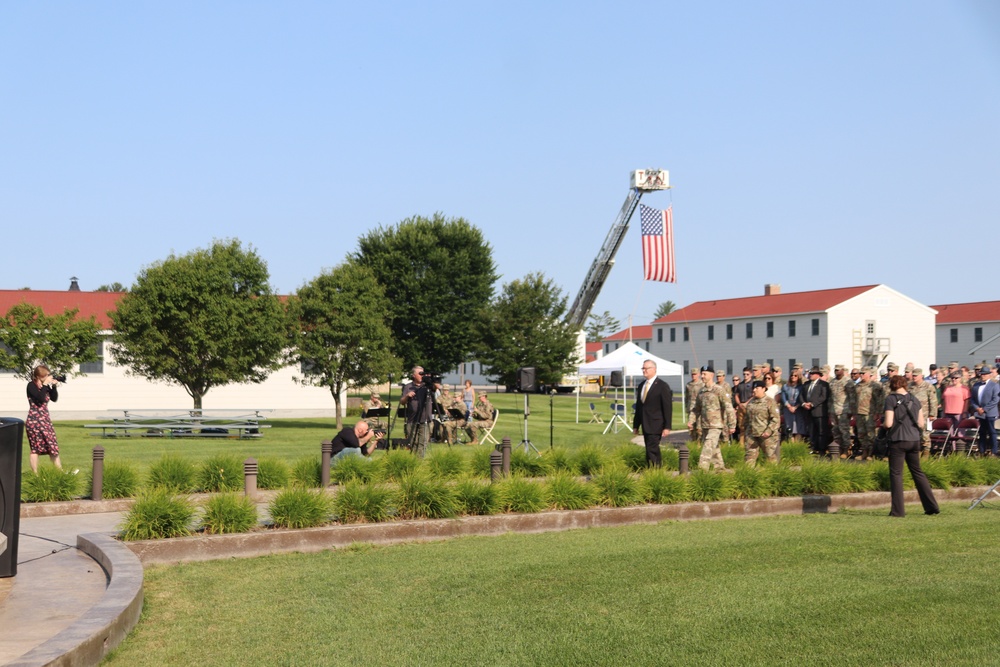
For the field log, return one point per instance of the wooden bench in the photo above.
(183, 424)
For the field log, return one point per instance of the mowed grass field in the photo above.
(853, 588)
(293, 439)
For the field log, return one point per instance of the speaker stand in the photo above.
(526, 443)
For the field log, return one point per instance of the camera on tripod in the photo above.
(429, 379)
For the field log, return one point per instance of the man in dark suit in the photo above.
(817, 393)
(654, 405)
(983, 405)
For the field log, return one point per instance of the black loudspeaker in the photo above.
(616, 379)
(11, 439)
(526, 379)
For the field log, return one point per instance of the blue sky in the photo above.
(812, 145)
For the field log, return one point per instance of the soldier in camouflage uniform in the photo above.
(482, 417)
(453, 424)
(712, 413)
(870, 403)
(761, 422)
(374, 402)
(691, 395)
(843, 399)
(720, 382)
(926, 395)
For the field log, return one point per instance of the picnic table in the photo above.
(182, 423)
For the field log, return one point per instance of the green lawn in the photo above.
(854, 588)
(292, 439)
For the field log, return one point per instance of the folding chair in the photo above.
(941, 436)
(967, 435)
(595, 416)
(487, 436)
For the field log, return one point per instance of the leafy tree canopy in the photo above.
(342, 336)
(437, 274)
(664, 309)
(29, 337)
(113, 287)
(601, 326)
(202, 320)
(524, 327)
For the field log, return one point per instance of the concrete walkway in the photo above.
(56, 583)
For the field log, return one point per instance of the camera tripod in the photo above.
(526, 443)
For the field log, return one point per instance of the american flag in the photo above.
(657, 244)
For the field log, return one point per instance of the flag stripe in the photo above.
(657, 244)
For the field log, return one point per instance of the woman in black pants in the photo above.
(903, 416)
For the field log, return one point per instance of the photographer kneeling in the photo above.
(352, 441)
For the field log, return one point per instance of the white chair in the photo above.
(488, 432)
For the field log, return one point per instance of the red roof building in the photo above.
(96, 304)
(968, 333)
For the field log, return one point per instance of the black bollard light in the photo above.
(496, 466)
(326, 453)
(505, 452)
(834, 450)
(97, 492)
(683, 454)
(250, 478)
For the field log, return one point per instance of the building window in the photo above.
(673, 334)
(647, 346)
(711, 364)
(729, 366)
(95, 366)
(749, 329)
(870, 327)
(659, 335)
(791, 328)
(616, 346)
(729, 332)
(770, 329)
(687, 368)
(815, 362)
(977, 335)
(771, 363)
(711, 332)
(953, 334)
(791, 365)
(607, 348)
(749, 364)
(686, 333)
(815, 326)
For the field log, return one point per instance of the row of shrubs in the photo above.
(420, 495)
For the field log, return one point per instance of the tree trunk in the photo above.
(197, 400)
(336, 402)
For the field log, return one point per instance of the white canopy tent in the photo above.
(629, 359)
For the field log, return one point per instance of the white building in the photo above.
(107, 387)
(968, 333)
(854, 326)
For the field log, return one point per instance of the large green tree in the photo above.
(525, 327)
(341, 334)
(29, 337)
(601, 326)
(438, 274)
(664, 309)
(202, 320)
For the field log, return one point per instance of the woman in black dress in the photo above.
(41, 435)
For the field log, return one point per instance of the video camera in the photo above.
(429, 379)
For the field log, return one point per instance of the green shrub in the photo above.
(174, 473)
(121, 480)
(991, 469)
(783, 480)
(565, 491)
(528, 465)
(632, 457)
(795, 452)
(590, 459)
(750, 482)
(560, 460)
(157, 514)
(446, 463)
(733, 455)
(518, 494)
(823, 478)
(300, 508)
(965, 471)
(221, 472)
(272, 473)
(616, 487)
(351, 467)
(229, 513)
(704, 486)
(670, 458)
(476, 497)
(858, 478)
(937, 473)
(49, 485)
(397, 464)
(423, 497)
(479, 462)
(358, 502)
(662, 487)
(694, 454)
(308, 472)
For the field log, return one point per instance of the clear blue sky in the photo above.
(813, 145)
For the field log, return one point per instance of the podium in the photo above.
(11, 443)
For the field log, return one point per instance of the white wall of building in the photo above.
(947, 351)
(907, 324)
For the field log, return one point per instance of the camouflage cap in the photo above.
(868, 369)
(909, 366)
(825, 368)
(953, 365)
(840, 367)
(978, 366)
(918, 371)
(375, 394)
(777, 369)
(891, 366)
(720, 374)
